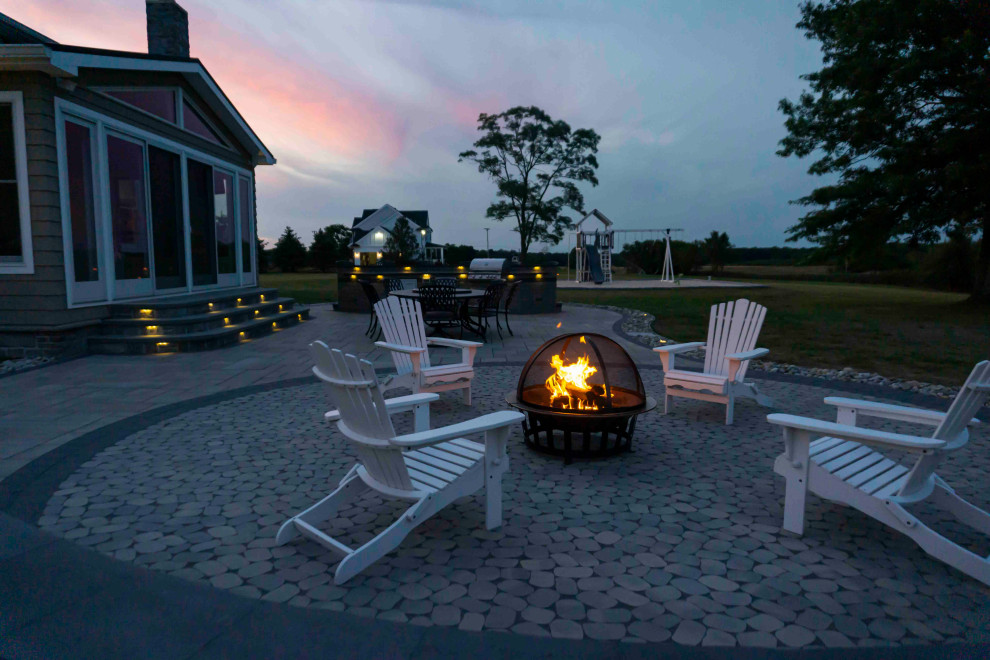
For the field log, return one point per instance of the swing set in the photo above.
(593, 250)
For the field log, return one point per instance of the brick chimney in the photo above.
(168, 28)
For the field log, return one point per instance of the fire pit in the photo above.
(581, 394)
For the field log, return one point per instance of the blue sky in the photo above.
(368, 102)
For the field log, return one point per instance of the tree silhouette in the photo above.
(527, 153)
(289, 254)
(901, 113)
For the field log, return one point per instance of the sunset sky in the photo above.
(367, 102)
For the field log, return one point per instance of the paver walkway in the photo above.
(676, 542)
(47, 407)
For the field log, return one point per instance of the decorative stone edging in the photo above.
(638, 326)
(22, 364)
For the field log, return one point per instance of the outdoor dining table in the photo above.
(463, 296)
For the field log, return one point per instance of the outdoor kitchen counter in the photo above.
(536, 294)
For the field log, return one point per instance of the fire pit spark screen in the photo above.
(581, 394)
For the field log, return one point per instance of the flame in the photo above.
(570, 379)
(559, 323)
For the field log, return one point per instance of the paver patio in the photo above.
(679, 541)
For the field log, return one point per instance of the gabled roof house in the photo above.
(372, 228)
(123, 176)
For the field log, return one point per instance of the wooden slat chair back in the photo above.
(401, 320)
(733, 330)
(953, 431)
(404, 329)
(366, 424)
(733, 327)
(428, 468)
(844, 463)
(971, 397)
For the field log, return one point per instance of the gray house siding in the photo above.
(38, 300)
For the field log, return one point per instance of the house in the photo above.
(371, 230)
(124, 176)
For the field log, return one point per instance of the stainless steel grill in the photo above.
(488, 269)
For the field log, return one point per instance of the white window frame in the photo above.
(180, 100)
(26, 265)
(102, 125)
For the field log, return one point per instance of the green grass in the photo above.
(899, 332)
(307, 288)
(907, 333)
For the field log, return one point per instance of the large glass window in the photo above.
(223, 210)
(82, 212)
(192, 121)
(128, 210)
(11, 249)
(165, 172)
(202, 226)
(247, 236)
(159, 102)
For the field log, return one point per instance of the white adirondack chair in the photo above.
(733, 329)
(837, 462)
(430, 468)
(402, 325)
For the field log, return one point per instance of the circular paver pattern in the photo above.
(677, 541)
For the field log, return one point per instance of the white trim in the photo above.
(74, 288)
(102, 125)
(199, 77)
(177, 91)
(26, 265)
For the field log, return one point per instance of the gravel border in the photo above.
(637, 326)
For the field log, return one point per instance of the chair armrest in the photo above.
(399, 348)
(395, 405)
(888, 411)
(856, 434)
(453, 343)
(736, 360)
(477, 425)
(468, 348)
(748, 355)
(679, 348)
(667, 353)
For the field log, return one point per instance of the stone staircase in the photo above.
(195, 322)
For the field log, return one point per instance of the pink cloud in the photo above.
(288, 103)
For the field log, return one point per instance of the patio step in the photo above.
(195, 323)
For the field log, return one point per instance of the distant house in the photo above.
(123, 176)
(370, 231)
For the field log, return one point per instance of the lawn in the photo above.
(306, 288)
(898, 332)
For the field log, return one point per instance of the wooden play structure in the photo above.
(593, 250)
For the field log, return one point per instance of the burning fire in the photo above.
(570, 382)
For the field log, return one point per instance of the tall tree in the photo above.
(262, 255)
(289, 254)
(717, 248)
(526, 153)
(402, 244)
(901, 113)
(330, 245)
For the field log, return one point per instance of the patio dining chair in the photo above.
(508, 296)
(392, 284)
(371, 294)
(429, 468)
(846, 463)
(441, 308)
(487, 308)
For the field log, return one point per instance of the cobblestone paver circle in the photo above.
(678, 541)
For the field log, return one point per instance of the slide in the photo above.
(594, 264)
